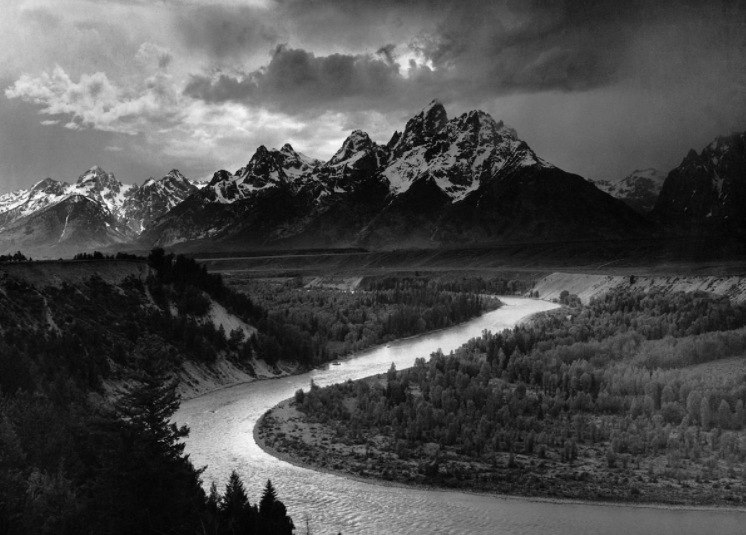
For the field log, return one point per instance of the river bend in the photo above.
(222, 424)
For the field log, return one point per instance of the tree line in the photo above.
(323, 324)
(15, 257)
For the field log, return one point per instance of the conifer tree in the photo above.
(147, 484)
(273, 514)
(269, 497)
(234, 500)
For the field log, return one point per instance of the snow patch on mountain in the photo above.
(131, 205)
(458, 155)
(640, 189)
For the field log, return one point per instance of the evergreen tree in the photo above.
(269, 498)
(235, 499)
(237, 514)
(213, 500)
(273, 514)
(146, 484)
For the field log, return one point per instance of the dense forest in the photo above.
(462, 284)
(631, 397)
(322, 324)
(73, 461)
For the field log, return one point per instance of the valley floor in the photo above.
(287, 433)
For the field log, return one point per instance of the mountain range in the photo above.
(94, 212)
(639, 190)
(440, 182)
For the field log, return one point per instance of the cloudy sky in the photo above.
(597, 87)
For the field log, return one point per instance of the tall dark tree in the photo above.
(269, 498)
(273, 513)
(148, 484)
(236, 513)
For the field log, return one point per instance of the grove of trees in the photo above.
(630, 376)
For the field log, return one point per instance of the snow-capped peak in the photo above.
(176, 174)
(97, 176)
(287, 148)
(421, 128)
(459, 156)
(49, 185)
(639, 189)
(355, 144)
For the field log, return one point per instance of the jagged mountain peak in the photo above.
(100, 178)
(421, 128)
(173, 179)
(481, 128)
(357, 142)
(220, 176)
(707, 192)
(176, 174)
(49, 185)
(639, 190)
(395, 137)
(462, 154)
(264, 164)
(91, 174)
(434, 113)
(260, 152)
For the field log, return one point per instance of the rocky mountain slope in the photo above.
(439, 182)
(638, 190)
(706, 194)
(57, 218)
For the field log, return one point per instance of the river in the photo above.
(221, 437)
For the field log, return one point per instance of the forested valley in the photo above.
(634, 397)
(322, 324)
(76, 458)
(74, 461)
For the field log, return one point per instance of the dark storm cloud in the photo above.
(295, 80)
(225, 32)
(479, 50)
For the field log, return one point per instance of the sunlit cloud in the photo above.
(96, 102)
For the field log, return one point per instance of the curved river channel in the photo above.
(221, 437)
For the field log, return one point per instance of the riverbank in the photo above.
(284, 432)
(199, 379)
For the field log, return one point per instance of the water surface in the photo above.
(221, 437)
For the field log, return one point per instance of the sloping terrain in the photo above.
(109, 318)
(54, 218)
(706, 194)
(588, 286)
(639, 190)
